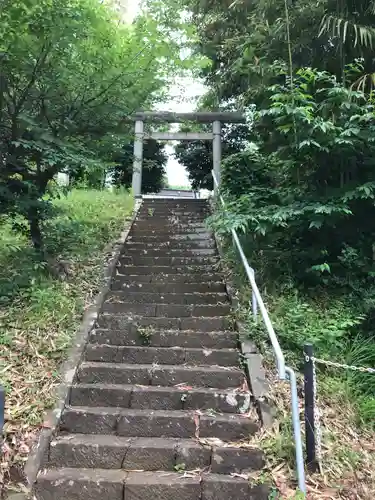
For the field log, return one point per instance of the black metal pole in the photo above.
(311, 461)
(2, 412)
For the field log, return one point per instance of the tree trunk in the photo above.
(35, 231)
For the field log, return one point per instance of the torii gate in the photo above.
(216, 118)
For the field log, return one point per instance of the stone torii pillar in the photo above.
(216, 118)
(138, 159)
(216, 150)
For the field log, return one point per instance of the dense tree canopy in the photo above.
(301, 187)
(247, 40)
(196, 156)
(153, 166)
(70, 74)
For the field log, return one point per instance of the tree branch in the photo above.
(109, 86)
(39, 63)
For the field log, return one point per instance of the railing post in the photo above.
(309, 377)
(216, 153)
(2, 413)
(296, 429)
(138, 157)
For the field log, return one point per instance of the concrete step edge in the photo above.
(164, 333)
(206, 324)
(180, 397)
(160, 375)
(184, 294)
(152, 454)
(175, 414)
(186, 367)
(125, 287)
(176, 311)
(180, 389)
(169, 308)
(182, 275)
(162, 355)
(158, 423)
(88, 484)
(112, 440)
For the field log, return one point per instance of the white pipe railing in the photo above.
(284, 372)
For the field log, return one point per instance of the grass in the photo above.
(345, 399)
(347, 450)
(39, 313)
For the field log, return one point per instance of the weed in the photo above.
(145, 334)
(242, 361)
(346, 399)
(273, 494)
(39, 314)
(211, 412)
(180, 467)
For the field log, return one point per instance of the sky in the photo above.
(132, 7)
(182, 98)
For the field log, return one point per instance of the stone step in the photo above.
(159, 375)
(141, 297)
(138, 229)
(172, 217)
(168, 288)
(129, 333)
(168, 231)
(149, 242)
(178, 238)
(174, 210)
(193, 204)
(167, 270)
(172, 224)
(131, 321)
(156, 213)
(177, 201)
(154, 224)
(161, 355)
(174, 204)
(165, 201)
(99, 484)
(143, 397)
(150, 454)
(169, 279)
(159, 260)
(156, 423)
(169, 252)
(159, 390)
(167, 310)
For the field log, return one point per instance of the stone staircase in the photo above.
(160, 404)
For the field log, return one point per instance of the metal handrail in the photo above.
(284, 372)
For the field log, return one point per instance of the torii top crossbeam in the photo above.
(200, 117)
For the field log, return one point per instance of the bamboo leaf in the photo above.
(356, 35)
(345, 31)
(338, 26)
(323, 26)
